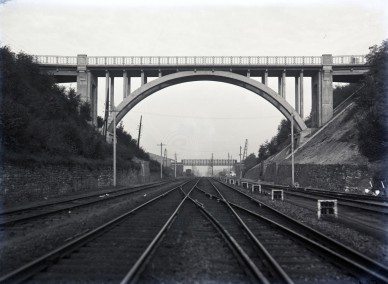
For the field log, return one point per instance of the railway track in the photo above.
(375, 204)
(368, 217)
(195, 233)
(22, 215)
(121, 249)
(106, 253)
(352, 261)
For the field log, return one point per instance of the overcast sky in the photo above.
(201, 118)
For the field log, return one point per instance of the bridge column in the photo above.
(282, 85)
(322, 93)
(112, 93)
(82, 77)
(264, 78)
(327, 88)
(316, 99)
(143, 78)
(299, 94)
(87, 86)
(126, 84)
(92, 83)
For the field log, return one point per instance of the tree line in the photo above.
(41, 121)
(371, 114)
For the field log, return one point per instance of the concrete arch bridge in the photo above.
(238, 70)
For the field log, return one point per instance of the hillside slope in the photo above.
(330, 153)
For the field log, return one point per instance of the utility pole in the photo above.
(161, 159)
(240, 164)
(175, 166)
(114, 148)
(212, 164)
(245, 150)
(292, 151)
(165, 157)
(139, 135)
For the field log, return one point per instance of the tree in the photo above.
(372, 116)
(249, 162)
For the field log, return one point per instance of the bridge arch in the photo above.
(219, 76)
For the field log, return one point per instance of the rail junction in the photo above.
(195, 230)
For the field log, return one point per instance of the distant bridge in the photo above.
(236, 70)
(208, 162)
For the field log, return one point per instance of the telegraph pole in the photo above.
(212, 164)
(292, 151)
(240, 164)
(114, 148)
(175, 165)
(161, 159)
(138, 137)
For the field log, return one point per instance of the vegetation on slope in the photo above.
(372, 106)
(371, 115)
(43, 122)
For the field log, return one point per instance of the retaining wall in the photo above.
(348, 178)
(20, 185)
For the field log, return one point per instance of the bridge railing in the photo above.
(55, 60)
(349, 59)
(204, 60)
(199, 60)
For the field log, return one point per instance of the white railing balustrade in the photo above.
(199, 60)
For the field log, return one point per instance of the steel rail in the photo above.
(344, 195)
(144, 258)
(28, 270)
(66, 208)
(79, 197)
(364, 261)
(274, 265)
(234, 244)
(333, 255)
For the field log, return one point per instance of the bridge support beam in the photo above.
(126, 84)
(92, 83)
(112, 93)
(299, 94)
(282, 85)
(327, 88)
(143, 78)
(322, 93)
(264, 78)
(87, 86)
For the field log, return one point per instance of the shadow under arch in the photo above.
(219, 76)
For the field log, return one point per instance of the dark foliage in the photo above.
(40, 118)
(341, 93)
(372, 116)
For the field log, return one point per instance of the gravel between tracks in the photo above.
(362, 243)
(22, 247)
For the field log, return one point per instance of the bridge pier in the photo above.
(322, 93)
(87, 84)
(126, 84)
(92, 95)
(299, 94)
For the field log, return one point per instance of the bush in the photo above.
(44, 122)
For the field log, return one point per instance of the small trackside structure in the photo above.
(277, 194)
(244, 184)
(256, 188)
(327, 207)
